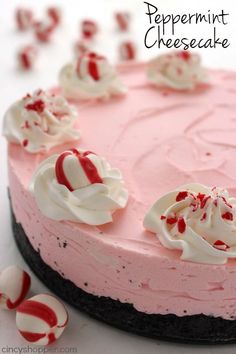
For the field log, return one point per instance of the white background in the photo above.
(89, 336)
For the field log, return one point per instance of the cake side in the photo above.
(188, 329)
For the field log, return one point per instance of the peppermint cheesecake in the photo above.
(126, 208)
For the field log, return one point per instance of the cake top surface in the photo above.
(159, 139)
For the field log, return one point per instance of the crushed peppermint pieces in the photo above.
(204, 216)
(171, 220)
(227, 216)
(185, 55)
(37, 106)
(181, 225)
(181, 196)
(220, 245)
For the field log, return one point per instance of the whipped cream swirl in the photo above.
(90, 77)
(198, 220)
(78, 186)
(179, 70)
(40, 121)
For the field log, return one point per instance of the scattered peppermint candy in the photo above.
(43, 31)
(41, 319)
(14, 286)
(27, 57)
(76, 169)
(127, 51)
(123, 20)
(24, 18)
(89, 29)
(54, 14)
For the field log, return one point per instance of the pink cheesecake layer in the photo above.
(159, 140)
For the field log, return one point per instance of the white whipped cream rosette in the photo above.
(178, 70)
(40, 121)
(90, 77)
(78, 186)
(199, 221)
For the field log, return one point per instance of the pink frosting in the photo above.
(159, 140)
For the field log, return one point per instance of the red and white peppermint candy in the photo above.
(91, 64)
(127, 51)
(43, 31)
(24, 18)
(14, 285)
(41, 319)
(89, 29)
(27, 57)
(76, 169)
(123, 20)
(54, 14)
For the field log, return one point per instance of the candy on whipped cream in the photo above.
(78, 186)
(40, 121)
(178, 70)
(14, 286)
(90, 77)
(41, 319)
(198, 220)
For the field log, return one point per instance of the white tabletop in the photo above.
(86, 335)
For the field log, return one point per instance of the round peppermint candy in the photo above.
(89, 29)
(24, 18)
(14, 285)
(122, 20)
(75, 169)
(127, 51)
(41, 319)
(27, 57)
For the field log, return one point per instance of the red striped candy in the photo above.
(27, 57)
(43, 31)
(54, 14)
(24, 18)
(89, 29)
(75, 170)
(91, 64)
(14, 286)
(122, 20)
(42, 319)
(127, 51)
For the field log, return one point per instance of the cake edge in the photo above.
(195, 329)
